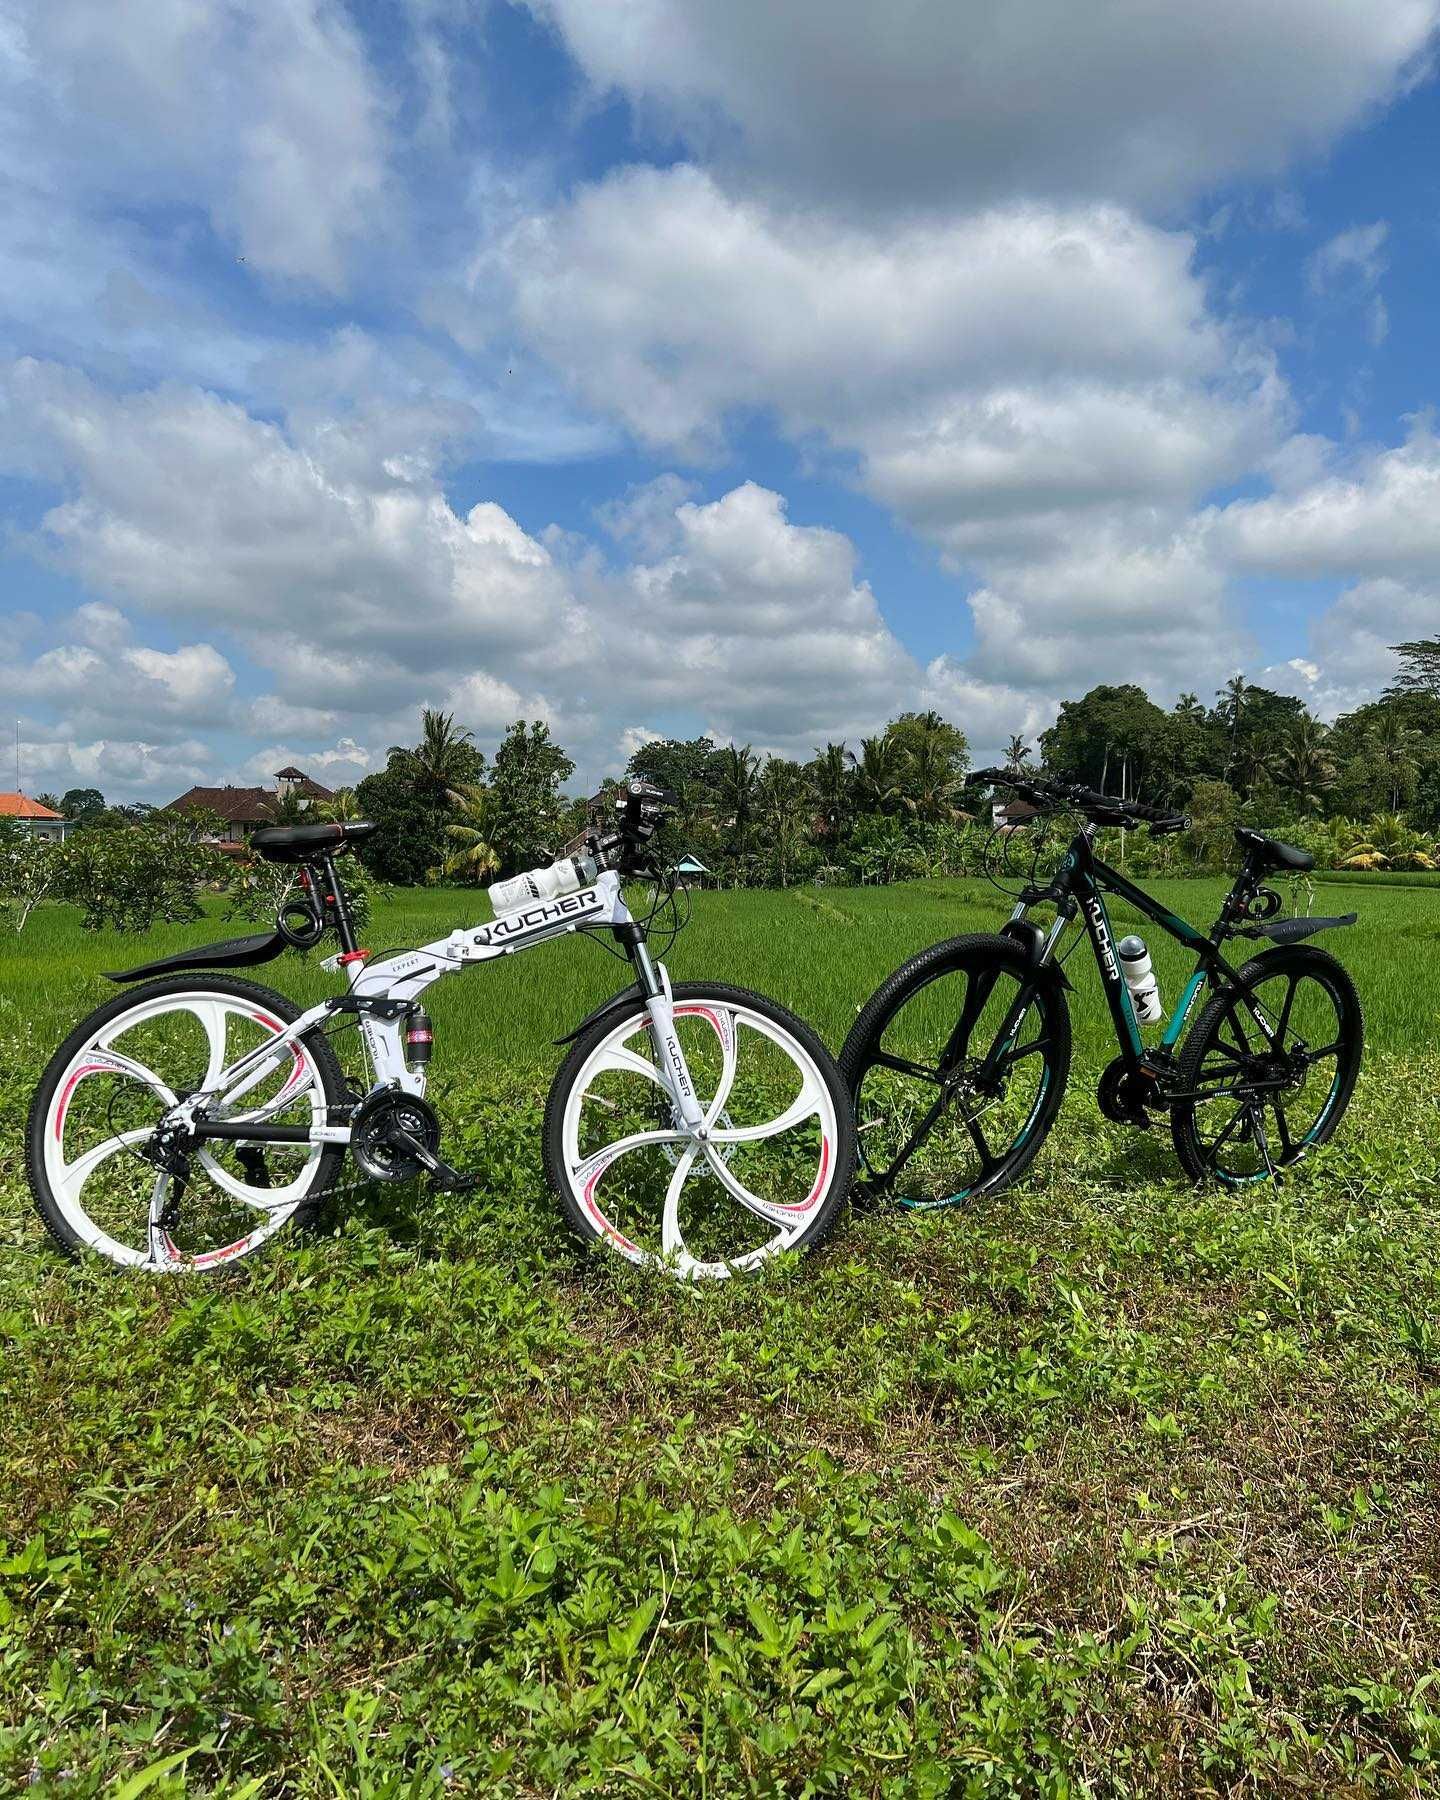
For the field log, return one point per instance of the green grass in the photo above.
(819, 950)
(1104, 1484)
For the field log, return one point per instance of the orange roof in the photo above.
(21, 806)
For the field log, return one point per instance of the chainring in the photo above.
(1124, 1094)
(378, 1130)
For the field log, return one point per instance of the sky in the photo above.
(663, 366)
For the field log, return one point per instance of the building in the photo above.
(31, 816)
(243, 809)
(691, 872)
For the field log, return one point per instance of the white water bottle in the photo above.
(1140, 979)
(552, 882)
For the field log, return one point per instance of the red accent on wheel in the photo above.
(70, 1085)
(607, 1229)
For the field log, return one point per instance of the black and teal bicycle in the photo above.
(959, 1061)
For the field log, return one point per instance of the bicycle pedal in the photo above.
(445, 1180)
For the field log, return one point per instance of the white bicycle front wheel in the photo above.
(116, 1076)
(771, 1172)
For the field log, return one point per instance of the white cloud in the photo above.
(364, 594)
(1347, 270)
(963, 100)
(336, 765)
(188, 507)
(127, 687)
(265, 115)
(122, 768)
(756, 626)
(1043, 392)
(1381, 517)
(671, 302)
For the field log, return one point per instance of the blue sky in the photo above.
(685, 365)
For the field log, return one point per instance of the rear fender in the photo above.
(231, 953)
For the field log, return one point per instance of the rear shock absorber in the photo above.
(419, 1038)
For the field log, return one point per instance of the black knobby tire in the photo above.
(839, 1162)
(317, 1046)
(1208, 1054)
(883, 1022)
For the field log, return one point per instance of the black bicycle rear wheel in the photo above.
(932, 1131)
(1261, 1104)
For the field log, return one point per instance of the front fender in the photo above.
(1031, 939)
(617, 1004)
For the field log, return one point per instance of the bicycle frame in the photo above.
(382, 993)
(1080, 885)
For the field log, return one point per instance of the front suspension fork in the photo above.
(669, 1057)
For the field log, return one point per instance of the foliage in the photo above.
(474, 857)
(527, 812)
(31, 868)
(255, 889)
(410, 839)
(79, 805)
(129, 879)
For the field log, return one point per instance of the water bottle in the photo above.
(1140, 979)
(552, 882)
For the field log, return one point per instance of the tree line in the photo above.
(1363, 792)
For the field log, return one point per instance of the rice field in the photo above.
(819, 950)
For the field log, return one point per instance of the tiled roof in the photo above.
(21, 806)
(239, 806)
(244, 805)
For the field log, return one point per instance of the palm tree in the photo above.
(929, 776)
(1305, 765)
(475, 857)
(785, 811)
(442, 762)
(1017, 753)
(832, 789)
(1393, 744)
(339, 809)
(878, 770)
(1192, 707)
(1231, 707)
(739, 774)
(1253, 762)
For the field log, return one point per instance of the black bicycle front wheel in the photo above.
(1270, 1066)
(957, 1066)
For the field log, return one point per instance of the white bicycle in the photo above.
(701, 1128)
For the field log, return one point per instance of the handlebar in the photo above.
(641, 807)
(1100, 809)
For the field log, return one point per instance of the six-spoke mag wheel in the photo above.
(769, 1169)
(92, 1124)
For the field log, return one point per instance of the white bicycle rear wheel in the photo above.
(772, 1172)
(113, 1079)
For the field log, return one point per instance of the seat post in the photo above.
(339, 903)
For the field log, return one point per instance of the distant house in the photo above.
(692, 872)
(243, 809)
(38, 820)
